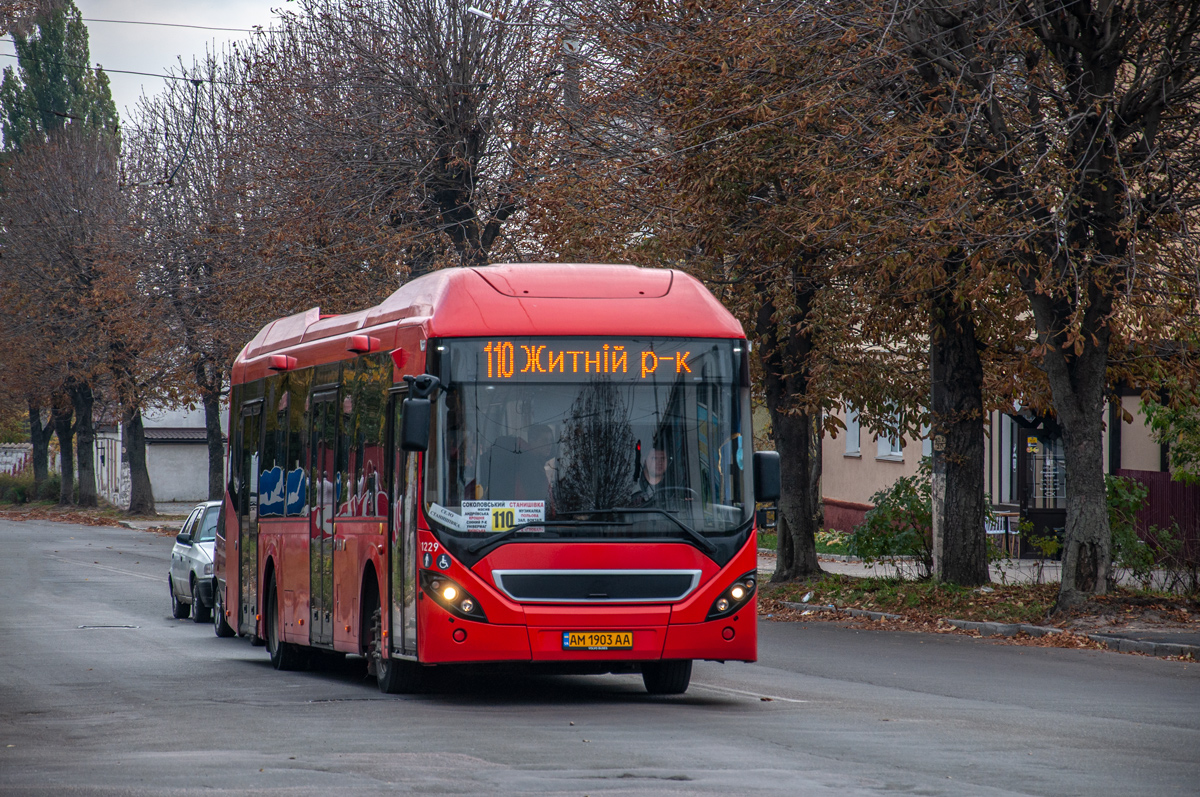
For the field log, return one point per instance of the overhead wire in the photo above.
(255, 29)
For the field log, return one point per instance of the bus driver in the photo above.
(650, 481)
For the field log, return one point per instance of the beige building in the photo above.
(1024, 474)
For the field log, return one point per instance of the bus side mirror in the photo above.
(766, 477)
(414, 432)
(418, 413)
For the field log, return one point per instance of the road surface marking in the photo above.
(748, 694)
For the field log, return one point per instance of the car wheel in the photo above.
(284, 655)
(179, 610)
(394, 676)
(223, 629)
(200, 612)
(667, 677)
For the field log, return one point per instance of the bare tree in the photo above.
(60, 208)
(399, 127)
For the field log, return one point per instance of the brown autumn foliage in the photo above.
(738, 140)
(1006, 187)
(1076, 125)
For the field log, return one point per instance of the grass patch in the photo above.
(828, 542)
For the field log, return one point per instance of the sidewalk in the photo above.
(1131, 637)
(171, 515)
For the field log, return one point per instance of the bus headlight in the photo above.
(451, 597)
(735, 596)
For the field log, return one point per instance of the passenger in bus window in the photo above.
(368, 491)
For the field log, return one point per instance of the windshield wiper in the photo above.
(700, 539)
(479, 545)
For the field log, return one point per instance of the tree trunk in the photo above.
(211, 390)
(1087, 547)
(1078, 378)
(141, 493)
(960, 540)
(800, 509)
(39, 438)
(797, 437)
(85, 442)
(1078, 391)
(62, 429)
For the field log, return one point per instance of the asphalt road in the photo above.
(101, 692)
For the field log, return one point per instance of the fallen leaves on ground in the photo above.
(82, 517)
(923, 607)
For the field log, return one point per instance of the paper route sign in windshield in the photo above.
(491, 516)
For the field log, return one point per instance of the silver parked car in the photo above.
(191, 574)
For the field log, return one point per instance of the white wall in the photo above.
(178, 472)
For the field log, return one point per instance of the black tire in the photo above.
(284, 655)
(220, 626)
(667, 677)
(179, 609)
(200, 612)
(394, 676)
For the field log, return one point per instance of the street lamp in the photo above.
(571, 48)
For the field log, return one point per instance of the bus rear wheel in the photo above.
(667, 677)
(284, 655)
(394, 676)
(220, 625)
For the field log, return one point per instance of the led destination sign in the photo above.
(538, 359)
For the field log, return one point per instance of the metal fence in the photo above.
(1169, 502)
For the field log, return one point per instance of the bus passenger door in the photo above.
(250, 436)
(402, 514)
(323, 507)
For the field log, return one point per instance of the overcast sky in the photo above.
(153, 48)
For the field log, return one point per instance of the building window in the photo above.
(853, 433)
(888, 445)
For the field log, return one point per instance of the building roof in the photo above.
(176, 435)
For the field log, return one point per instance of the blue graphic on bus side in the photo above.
(296, 498)
(270, 493)
(443, 562)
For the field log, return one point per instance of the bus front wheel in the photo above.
(394, 676)
(667, 677)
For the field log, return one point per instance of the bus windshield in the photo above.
(593, 437)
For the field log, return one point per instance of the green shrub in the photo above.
(898, 530)
(16, 489)
(50, 488)
(1126, 497)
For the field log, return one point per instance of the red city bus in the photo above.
(511, 463)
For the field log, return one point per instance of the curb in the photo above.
(1116, 643)
(1002, 629)
(1123, 645)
